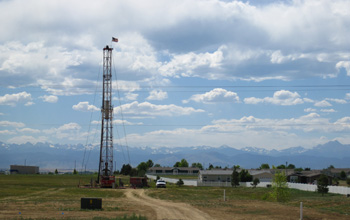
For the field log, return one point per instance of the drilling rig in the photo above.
(106, 179)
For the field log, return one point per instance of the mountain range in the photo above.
(67, 157)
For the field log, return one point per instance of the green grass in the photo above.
(213, 196)
(184, 177)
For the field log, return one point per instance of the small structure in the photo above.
(138, 182)
(91, 203)
(173, 171)
(19, 169)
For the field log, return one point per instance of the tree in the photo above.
(184, 163)
(177, 164)
(348, 181)
(142, 168)
(331, 167)
(343, 175)
(56, 171)
(180, 182)
(210, 167)
(235, 177)
(157, 165)
(198, 165)
(75, 171)
(149, 163)
(244, 176)
(322, 184)
(133, 172)
(264, 166)
(291, 166)
(126, 169)
(256, 181)
(307, 169)
(282, 166)
(280, 187)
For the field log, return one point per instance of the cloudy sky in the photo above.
(270, 74)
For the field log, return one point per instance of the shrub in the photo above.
(180, 182)
(322, 184)
(256, 181)
(280, 187)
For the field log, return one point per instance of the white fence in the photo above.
(305, 187)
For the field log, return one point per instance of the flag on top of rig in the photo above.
(114, 39)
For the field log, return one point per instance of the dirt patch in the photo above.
(165, 209)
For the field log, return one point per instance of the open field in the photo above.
(58, 197)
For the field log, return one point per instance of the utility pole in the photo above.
(105, 172)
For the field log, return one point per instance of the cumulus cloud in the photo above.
(70, 131)
(214, 96)
(11, 124)
(14, 99)
(267, 133)
(85, 107)
(157, 95)
(149, 109)
(208, 39)
(282, 97)
(49, 98)
(328, 110)
(323, 103)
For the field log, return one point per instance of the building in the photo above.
(173, 171)
(18, 169)
(218, 175)
(307, 176)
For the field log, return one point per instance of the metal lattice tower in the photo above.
(106, 145)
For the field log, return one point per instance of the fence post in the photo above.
(301, 210)
(224, 195)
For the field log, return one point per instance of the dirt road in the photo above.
(165, 209)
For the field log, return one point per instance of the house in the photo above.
(218, 175)
(215, 175)
(18, 169)
(307, 176)
(173, 171)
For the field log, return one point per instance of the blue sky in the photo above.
(269, 74)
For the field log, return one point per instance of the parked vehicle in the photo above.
(161, 183)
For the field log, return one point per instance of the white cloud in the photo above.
(125, 122)
(282, 97)
(338, 101)
(149, 109)
(345, 65)
(310, 110)
(85, 107)
(7, 132)
(49, 98)
(11, 124)
(13, 99)
(131, 96)
(328, 110)
(70, 131)
(323, 103)
(266, 133)
(28, 130)
(25, 138)
(214, 96)
(347, 96)
(157, 95)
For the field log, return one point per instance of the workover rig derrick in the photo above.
(105, 171)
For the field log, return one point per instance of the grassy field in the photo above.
(57, 196)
